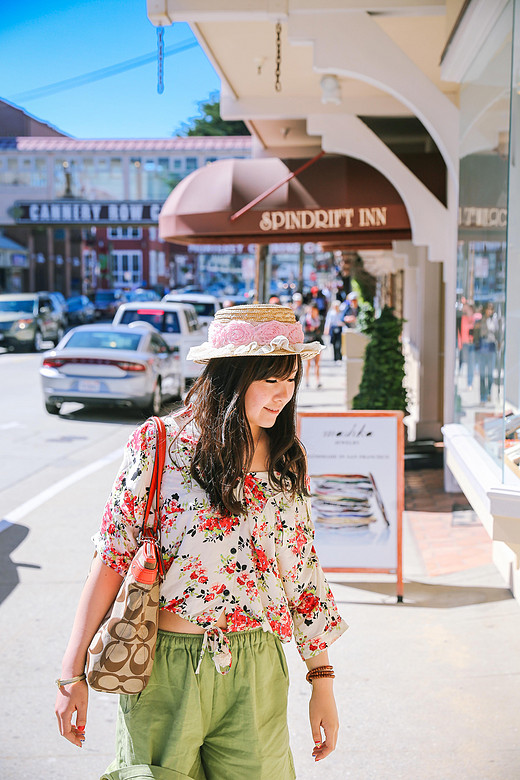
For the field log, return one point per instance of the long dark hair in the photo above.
(225, 448)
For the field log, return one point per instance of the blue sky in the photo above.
(44, 42)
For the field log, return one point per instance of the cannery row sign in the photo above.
(68, 212)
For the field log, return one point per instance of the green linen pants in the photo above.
(207, 726)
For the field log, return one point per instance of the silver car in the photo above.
(29, 319)
(128, 365)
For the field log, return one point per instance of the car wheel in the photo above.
(52, 408)
(37, 344)
(156, 402)
(59, 336)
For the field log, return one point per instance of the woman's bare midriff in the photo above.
(170, 622)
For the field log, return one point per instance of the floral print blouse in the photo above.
(260, 569)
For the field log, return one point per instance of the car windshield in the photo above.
(164, 321)
(104, 339)
(25, 306)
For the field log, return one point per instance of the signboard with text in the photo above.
(356, 468)
(77, 212)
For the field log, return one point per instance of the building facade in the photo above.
(373, 81)
(86, 211)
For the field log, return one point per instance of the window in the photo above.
(157, 345)
(161, 266)
(39, 175)
(153, 266)
(120, 232)
(10, 176)
(163, 321)
(177, 164)
(105, 339)
(127, 268)
(191, 163)
(210, 159)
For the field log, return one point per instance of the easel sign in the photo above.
(356, 467)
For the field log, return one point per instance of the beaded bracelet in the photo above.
(319, 672)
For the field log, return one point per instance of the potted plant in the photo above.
(383, 372)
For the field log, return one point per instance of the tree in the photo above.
(209, 121)
(383, 372)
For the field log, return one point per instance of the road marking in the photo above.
(33, 503)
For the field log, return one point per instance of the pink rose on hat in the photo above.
(238, 333)
(216, 335)
(268, 331)
(295, 333)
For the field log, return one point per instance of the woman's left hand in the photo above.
(323, 714)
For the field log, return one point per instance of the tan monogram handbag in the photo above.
(120, 656)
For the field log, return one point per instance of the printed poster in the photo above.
(355, 462)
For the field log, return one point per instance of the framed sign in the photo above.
(356, 469)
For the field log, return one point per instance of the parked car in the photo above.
(204, 305)
(29, 319)
(107, 302)
(177, 322)
(61, 302)
(143, 295)
(112, 366)
(81, 310)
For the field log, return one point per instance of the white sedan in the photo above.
(126, 365)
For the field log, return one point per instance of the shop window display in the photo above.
(487, 381)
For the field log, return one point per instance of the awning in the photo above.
(337, 201)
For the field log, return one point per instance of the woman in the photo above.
(488, 330)
(334, 328)
(313, 332)
(241, 571)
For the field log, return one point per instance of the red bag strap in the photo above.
(155, 487)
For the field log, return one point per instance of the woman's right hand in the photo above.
(72, 698)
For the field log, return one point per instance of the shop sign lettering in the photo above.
(323, 219)
(91, 212)
(483, 217)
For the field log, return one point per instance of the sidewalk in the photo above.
(426, 690)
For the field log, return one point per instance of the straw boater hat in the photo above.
(255, 329)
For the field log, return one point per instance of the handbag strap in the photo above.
(153, 532)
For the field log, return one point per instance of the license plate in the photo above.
(89, 386)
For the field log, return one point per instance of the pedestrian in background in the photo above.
(313, 331)
(465, 341)
(334, 328)
(351, 310)
(242, 574)
(486, 331)
(297, 305)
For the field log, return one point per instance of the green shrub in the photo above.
(383, 372)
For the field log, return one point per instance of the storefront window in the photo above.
(512, 326)
(483, 261)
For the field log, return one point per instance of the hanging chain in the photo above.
(277, 84)
(160, 60)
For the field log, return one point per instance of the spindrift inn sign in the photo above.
(324, 219)
(132, 212)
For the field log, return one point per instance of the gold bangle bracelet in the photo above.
(78, 678)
